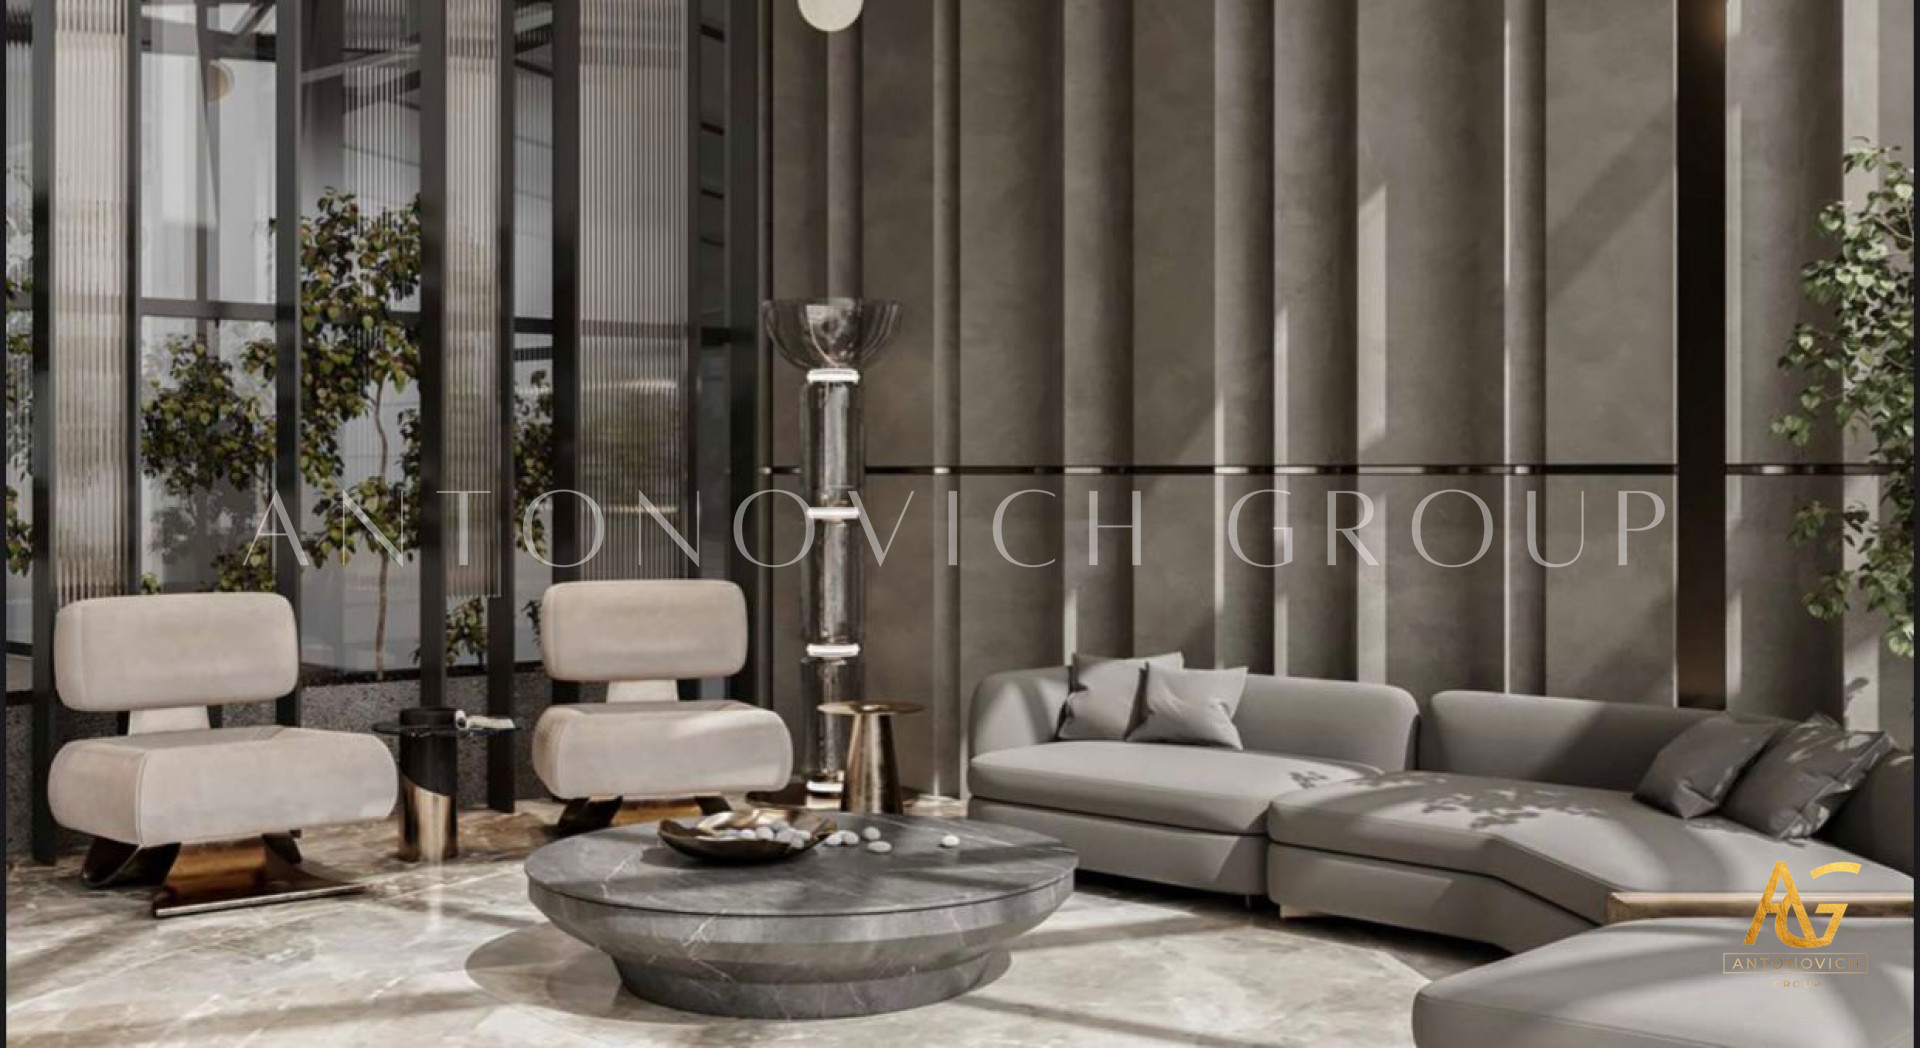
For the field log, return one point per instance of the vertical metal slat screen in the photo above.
(89, 270)
(473, 290)
(635, 327)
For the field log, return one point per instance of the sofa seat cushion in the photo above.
(188, 787)
(1194, 788)
(1658, 984)
(654, 750)
(1570, 845)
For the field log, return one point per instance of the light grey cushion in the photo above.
(1877, 819)
(1658, 984)
(1015, 708)
(1370, 724)
(1570, 845)
(186, 787)
(647, 629)
(1797, 784)
(1200, 789)
(1209, 861)
(180, 649)
(1083, 662)
(1446, 902)
(1190, 707)
(1541, 738)
(652, 750)
(1106, 703)
(1691, 775)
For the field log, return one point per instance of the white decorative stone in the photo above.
(879, 847)
(949, 841)
(871, 833)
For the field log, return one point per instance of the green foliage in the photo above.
(532, 475)
(206, 433)
(1859, 373)
(19, 363)
(208, 429)
(355, 270)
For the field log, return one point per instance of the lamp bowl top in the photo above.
(829, 332)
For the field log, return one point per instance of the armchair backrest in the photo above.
(643, 629)
(167, 651)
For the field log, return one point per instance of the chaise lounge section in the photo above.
(1521, 824)
(1183, 815)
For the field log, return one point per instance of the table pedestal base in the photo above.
(802, 1000)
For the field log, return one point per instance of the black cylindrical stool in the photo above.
(429, 780)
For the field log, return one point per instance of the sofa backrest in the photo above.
(1608, 745)
(1372, 724)
(1877, 821)
(1572, 742)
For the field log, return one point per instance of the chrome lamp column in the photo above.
(831, 339)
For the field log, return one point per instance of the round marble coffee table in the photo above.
(833, 932)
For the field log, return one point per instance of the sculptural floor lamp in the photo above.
(831, 339)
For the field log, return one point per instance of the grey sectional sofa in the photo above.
(1520, 822)
(1503, 818)
(1183, 815)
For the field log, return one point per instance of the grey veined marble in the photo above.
(833, 932)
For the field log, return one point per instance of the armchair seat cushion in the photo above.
(653, 750)
(1190, 787)
(1570, 845)
(188, 787)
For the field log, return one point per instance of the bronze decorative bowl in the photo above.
(722, 838)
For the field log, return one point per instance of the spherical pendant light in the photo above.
(830, 16)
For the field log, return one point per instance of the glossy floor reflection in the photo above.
(456, 955)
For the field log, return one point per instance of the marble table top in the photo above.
(628, 867)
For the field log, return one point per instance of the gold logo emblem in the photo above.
(1789, 903)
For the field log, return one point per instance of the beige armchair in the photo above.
(639, 637)
(209, 811)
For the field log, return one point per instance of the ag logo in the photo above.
(1789, 903)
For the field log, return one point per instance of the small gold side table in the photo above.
(873, 770)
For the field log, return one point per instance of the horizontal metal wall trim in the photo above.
(1606, 469)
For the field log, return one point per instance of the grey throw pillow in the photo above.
(1191, 707)
(1801, 779)
(1691, 775)
(1081, 663)
(1105, 698)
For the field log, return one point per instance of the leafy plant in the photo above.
(356, 351)
(1860, 371)
(532, 475)
(206, 433)
(19, 363)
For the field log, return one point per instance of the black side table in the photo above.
(430, 780)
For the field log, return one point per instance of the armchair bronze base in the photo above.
(204, 878)
(586, 814)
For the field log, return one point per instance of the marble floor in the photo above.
(456, 955)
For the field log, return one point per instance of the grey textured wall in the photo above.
(1313, 233)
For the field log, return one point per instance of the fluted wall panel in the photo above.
(1155, 242)
(1097, 317)
(472, 308)
(1315, 150)
(1785, 93)
(89, 287)
(1173, 323)
(635, 339)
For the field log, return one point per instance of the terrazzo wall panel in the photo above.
(1171, 240)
